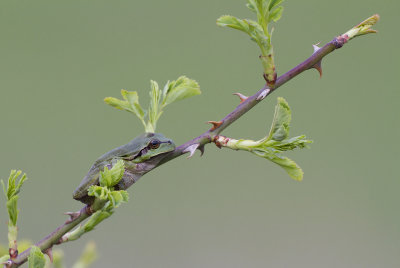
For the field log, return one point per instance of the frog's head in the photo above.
(152, 144)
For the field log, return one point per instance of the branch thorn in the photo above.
(215, 124)
(263, 94)
(49, 252)
(318, 67)
(241, 97)
(201, 149)
(73, 216)
(316, 47)
(191, 149)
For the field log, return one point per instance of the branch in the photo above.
(314, 61)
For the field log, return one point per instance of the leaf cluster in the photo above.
(108, 179)
(277, 141)
(365, 27)
(258, 31)
(11, 194)
(173, 91)
(266, 11)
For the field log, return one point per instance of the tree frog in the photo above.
(138, 156)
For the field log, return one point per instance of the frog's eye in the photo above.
(154, 144)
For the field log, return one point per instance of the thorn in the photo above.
(263, 94)
(49, 252)
(73, 216)
(215, 124)
(191, 149)
(241, 97)
(316, 47)
(201, 149)
(318, 67)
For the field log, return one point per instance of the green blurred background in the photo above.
(59, 59)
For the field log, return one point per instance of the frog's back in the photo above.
(132, 147)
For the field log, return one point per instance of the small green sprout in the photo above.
(362, 28)
(11, 193)
(179, 89)
(266, 11)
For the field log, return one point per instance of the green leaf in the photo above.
(95, 219)
(11, 184)
(280, 124)
(11, 192)
(36, 258)
(133, 99)
(276, 14)
(118, 197)
(12, 209)
(125, 195)
(105, 177)
(115, 198)
(274, 3)
(155, 110)
(293, 170)
(100, 192)
(233, 22)
(119, 104)
(289, 144)
(180, 89)
(111, 177)
(251, 5)
(129, 104)
(262, 11)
